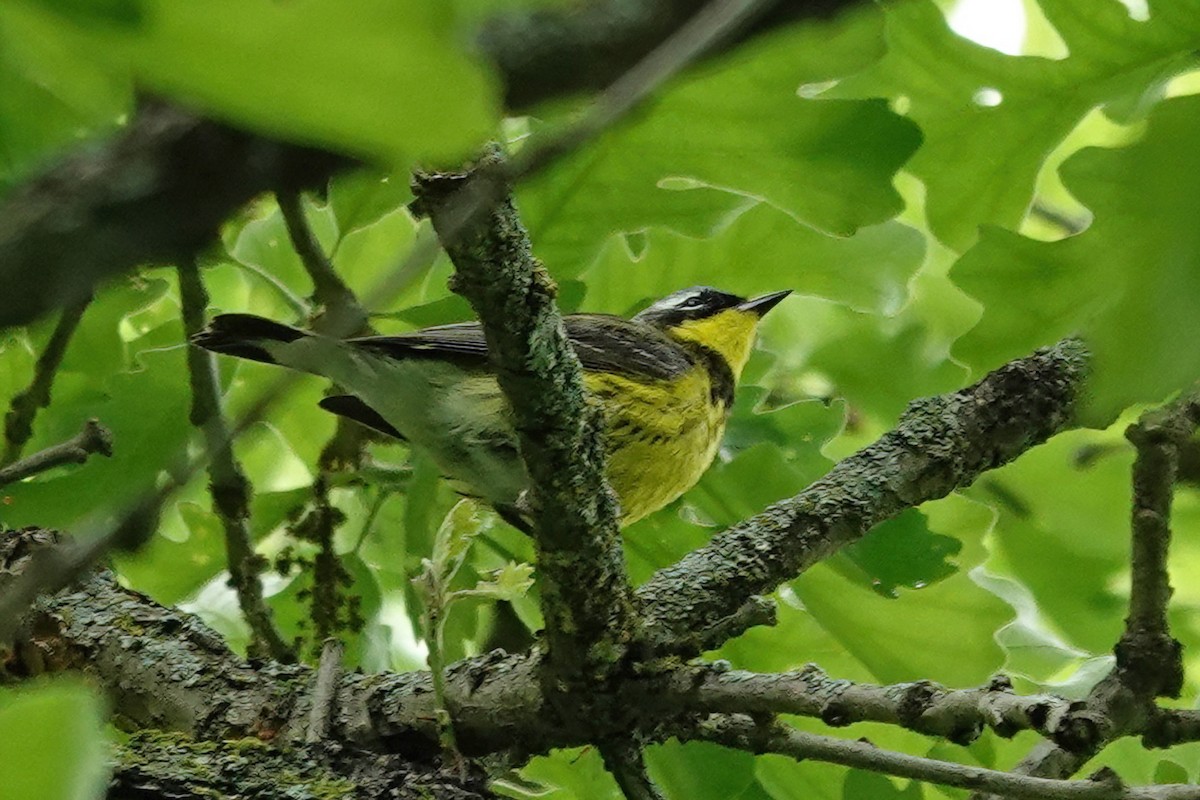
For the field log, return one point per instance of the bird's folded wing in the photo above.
(603, 344)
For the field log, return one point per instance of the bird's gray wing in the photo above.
(602, 343)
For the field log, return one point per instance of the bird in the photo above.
(664, 380)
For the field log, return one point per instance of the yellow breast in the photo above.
(661, 437)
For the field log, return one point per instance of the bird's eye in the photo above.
(695, 301)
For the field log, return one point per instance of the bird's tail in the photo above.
(244, 335)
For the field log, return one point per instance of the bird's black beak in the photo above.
(761, 305)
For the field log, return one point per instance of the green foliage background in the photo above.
(881, 165)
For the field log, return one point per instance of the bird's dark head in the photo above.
(717, 320)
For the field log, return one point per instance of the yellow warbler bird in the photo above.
(664, 379)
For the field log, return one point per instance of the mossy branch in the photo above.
(586, 596)
(940, 444)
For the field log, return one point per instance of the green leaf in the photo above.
(52, 743)
(1129, 282)
(979, 161)
(53, 96)
(387, 79)
(575, 774)
(862, 785)
(1168, 771)
(744, 131)
(362, 197)
(458, 530)
(117, 13)
(193, 562)
(787, 779)
(1084, 522)
(147, 412)
(510, 582)
(868, 271)
(699, 770)
(902, 552)
(943, 632)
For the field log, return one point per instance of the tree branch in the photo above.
(341, 309)
(94, 438)
(743, 733)
(227, 483)
(161, 188)
(585, 591)
(1147, 653)
(940, 444)
(157, 766)
(959, 715)
(329, 674)
(18, 422)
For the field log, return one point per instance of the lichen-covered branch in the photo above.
(93, 439)
(158, 766)
(959, 715)
(744, 733)
(18, 422)
(227, 482)
(585, 591)
(941, 443)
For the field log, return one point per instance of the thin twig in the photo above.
(18, 422)
(743, 733)
(625, 762)
(227, 482)
(324, 693)
(94, 438)
(340, 305)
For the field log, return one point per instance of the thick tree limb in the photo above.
(157, 765)
(94, 438)
(586, 597)
(743, 733)
(940, 444)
